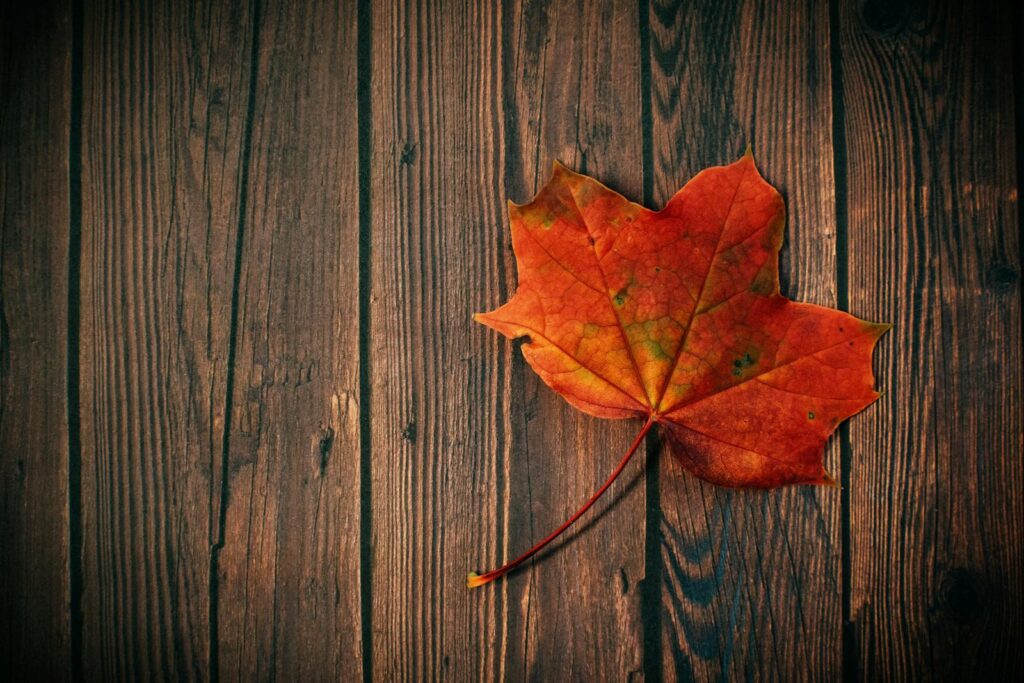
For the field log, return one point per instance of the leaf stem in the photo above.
(475, 580)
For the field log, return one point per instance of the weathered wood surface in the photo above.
(435, 190)
(163, 119)
(288, 574)
(459, 126)
(249, 431)
(572, 93)
(750, 582)
(35, 439)
(936, 571)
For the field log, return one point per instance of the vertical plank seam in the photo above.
(364, 116)
(650, 589)
(848, 648)
(243, 202)
(1018, 89)
(74, 293)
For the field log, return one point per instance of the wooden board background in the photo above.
(248, 430)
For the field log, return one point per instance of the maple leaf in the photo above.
(675, 317)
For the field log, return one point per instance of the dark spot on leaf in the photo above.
(840, 329)
(657, 269)
(408, 154)
(762, 284)
(620, 299)
(810, 415)
(409, 433)
(743, 362)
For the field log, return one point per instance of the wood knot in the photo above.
(409, 433)
(1001, 278)
(324, 447)
(408, 155)
(961, 597)
(885, 17)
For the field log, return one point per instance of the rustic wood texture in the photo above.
(439, 485)
(163, 110)
(750, 581)
(572, 94)
(936, 479)
(436, 189)
(249, 431)
(35, 232)
(288, 575)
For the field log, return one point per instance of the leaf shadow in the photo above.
(580, 530)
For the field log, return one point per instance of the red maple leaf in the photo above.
(675, 317)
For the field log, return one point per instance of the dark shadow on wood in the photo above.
(849, 645)
(243, 202)
(364, 115)
(578, 532)
(75, 572)
(652, 587)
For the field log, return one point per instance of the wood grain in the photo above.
(249, 431)
(289, 571)
(454, 483)
(936, 477)
(440, 387)
(572, 94)
(164, 103)
(35, 121)
(750, 580)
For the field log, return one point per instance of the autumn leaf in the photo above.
(675, 317)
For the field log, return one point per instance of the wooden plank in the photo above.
(573, 94)
(164, 105)
(35, 86)
(289, 571)
(473, 458)
(937, 586)
(751, 582)
(440, 386)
